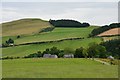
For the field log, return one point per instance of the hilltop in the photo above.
(24, 26)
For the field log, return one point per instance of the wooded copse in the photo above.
(113, 47)
(68, 23)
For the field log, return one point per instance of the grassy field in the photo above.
(57, 68)
(23, 26)
(56, 34)
(28, 49)
(110, 38)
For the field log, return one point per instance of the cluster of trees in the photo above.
(94, 50)
(53, 51)
(68, 23)
(113, 47)
(104, 28)
(10, 41)
(34, 55)
(7, 43)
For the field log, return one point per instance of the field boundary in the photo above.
(44, 42)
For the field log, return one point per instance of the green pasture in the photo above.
(57, 68)
(56, 34)
(29, 49)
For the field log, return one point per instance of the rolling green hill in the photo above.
(56, 34)
(23, 26)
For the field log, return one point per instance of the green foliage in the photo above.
(18, 36)
(68, 23)
(10, 41)
(113, 46)
(47, 51)
(54, 51)
(34, 55)
(61, 54)
(79, 52)
(96, 50)
(102, 51)
(85, 53)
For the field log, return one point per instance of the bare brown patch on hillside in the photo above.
(115, 31)
(23, 26)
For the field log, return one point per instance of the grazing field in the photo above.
(28, 49)
(57, 68)
(23, 26)
(56, 34)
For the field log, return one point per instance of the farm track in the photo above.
(103, 62)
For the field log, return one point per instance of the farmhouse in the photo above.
(68, 56)
(46, 55)
(49, 56)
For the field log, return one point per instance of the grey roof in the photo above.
(68, 56)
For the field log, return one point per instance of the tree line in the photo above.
(99, 30)
(68, 23)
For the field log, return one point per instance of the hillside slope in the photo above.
(23, 26)
(114, 31)
(56, 34)
(23, 50)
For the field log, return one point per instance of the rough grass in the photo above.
(110, 38)
(23, 26)
(56, 34)
(114, 31)
(28, 49)
(57, 68)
